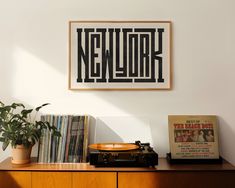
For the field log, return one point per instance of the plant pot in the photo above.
(21, 154)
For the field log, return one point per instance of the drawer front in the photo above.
(15, 179)
(51, 180)
(94, 179)
(176, 179)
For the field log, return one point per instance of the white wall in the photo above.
(34, 61)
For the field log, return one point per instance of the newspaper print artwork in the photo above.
(193, 137)
(119, 55)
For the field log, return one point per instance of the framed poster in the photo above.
(193, 136)
(119, 55)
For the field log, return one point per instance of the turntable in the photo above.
(122, 154)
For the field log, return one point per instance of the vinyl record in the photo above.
(114, 146)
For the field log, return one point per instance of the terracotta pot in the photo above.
(21, 154)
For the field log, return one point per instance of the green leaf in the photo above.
(33, 140)
(6, 109)
(1, 103)
(13, 143)
(57, 134)
(47, 124)
(37, 134)
(26, 112)
(15, 105)
(39, 107)
(40, 125)
(4, 145)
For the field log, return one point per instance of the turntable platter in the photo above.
(114, 146)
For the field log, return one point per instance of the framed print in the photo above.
(193, 136)
(129, 55)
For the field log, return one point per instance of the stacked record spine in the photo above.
(71, 147)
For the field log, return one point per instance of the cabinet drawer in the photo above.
(51, 180)
(176, 179)
(15, 179)
(94, 179)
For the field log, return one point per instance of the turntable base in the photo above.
(123, 155)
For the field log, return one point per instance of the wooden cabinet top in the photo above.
(162, 166)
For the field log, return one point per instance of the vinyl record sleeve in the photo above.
(193, 136)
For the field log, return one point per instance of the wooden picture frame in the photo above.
(120, 55)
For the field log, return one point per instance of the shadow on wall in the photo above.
(126, 129)
(103, 133)
(225, 131)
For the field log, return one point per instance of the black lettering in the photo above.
(95, 37)
(133, 62)
(137, 55)
(144, 55)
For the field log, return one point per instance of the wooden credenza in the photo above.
(83, 175)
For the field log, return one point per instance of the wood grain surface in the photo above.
(94, 179)
(176, 180)
(80, 167)
(15, 179)
(83, 175)
(51, 180)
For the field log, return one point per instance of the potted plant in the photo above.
(20, 130)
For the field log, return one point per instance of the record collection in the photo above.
(71, 146)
